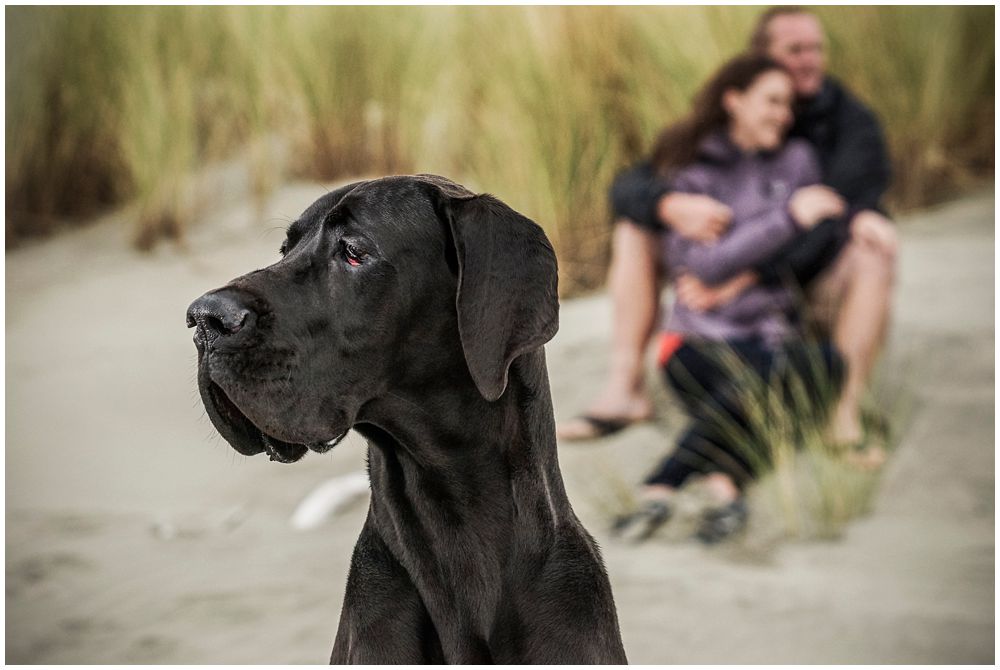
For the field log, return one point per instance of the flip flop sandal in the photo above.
(723, 522)
(866, 456)
(642, 523)
(602, 427)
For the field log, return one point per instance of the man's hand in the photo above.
(694, 294)
(694, 216)
(873, 229)
(811, 204)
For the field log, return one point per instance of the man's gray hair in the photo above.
(760, 38)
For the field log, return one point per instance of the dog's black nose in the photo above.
(219, 314)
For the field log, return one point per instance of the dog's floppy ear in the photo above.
(507, 283)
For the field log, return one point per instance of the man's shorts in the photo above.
(825, 294)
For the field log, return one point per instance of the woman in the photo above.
(732, 147)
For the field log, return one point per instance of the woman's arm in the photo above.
(755, 240)
(743, 247)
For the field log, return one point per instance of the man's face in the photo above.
(797, 42)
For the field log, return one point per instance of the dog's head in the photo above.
(381, 285)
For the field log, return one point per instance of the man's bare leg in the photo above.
(859, 334)
(863, 284)
(634, 285)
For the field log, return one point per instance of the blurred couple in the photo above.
(762, 209)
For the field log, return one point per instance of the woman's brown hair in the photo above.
(678, 144)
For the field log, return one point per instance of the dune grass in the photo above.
(540, 105)
(803, 486)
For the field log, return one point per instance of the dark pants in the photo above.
(726, 389)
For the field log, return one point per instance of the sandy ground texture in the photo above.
(136, 535)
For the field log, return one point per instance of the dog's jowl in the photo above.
(414, 311)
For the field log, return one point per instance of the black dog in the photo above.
(415, 312)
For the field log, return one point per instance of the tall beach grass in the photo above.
(809, 487)
(539, 105)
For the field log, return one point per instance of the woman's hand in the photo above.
(694, 216)
(700, 297)
(811, 204)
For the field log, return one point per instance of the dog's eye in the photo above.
(353, 255)
(291, 239)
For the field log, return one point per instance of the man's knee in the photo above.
(887, 244)
(874, 243)
(873, 262)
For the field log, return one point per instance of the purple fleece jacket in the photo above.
(757, 186)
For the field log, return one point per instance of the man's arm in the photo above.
(806, 255)
(695, 216)
(859, 170)
(645, 197)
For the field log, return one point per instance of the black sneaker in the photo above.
(642, 523)
(723, 522)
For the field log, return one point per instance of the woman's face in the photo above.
(760, 115)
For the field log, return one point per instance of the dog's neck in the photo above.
(460, 485)
(467, 449)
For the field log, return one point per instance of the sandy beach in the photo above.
(135, 534)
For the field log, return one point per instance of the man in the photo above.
(846, 265)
